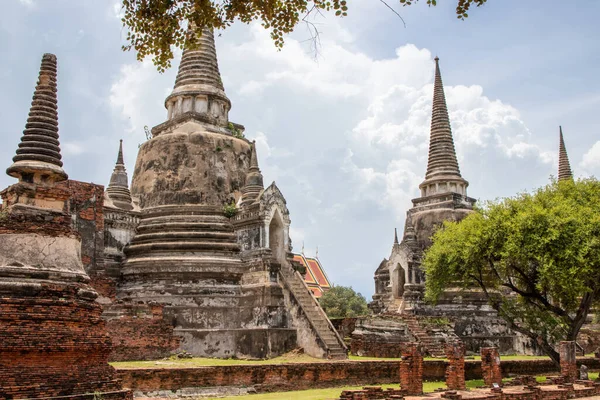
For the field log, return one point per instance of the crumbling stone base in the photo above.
(455, 371)
(568, 361)
(411, 369)
(490, 366)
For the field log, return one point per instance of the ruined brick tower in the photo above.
(48, 314)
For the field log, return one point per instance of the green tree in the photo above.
(343, 302)
(154, 27)
(535, 256)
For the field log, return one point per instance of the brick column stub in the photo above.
(455, 371)
(490, 366)
(568, 361)
(411, 369)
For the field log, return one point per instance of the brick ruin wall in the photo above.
(86, 203)
(59, 328)
(139, 332)
(301, 376)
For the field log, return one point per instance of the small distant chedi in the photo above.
(195, 256)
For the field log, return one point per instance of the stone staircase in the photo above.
(396, 306)
(434, 347)
(320, 324)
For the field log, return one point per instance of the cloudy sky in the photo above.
(344, 135)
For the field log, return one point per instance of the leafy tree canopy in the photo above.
(343, 302)
(535, 256)
(156, 26)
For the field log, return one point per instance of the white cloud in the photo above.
(137, 95)
(27, 3)
(72, 148)
(590, 163)
(118, 10)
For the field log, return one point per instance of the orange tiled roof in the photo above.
(318, 273)
(315, 276)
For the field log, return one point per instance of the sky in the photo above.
(344, 133)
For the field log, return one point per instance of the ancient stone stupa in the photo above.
(186, 254)
(399, 279)
(53, 341)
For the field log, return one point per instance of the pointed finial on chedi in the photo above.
(38, 157)
(198, 87)
(564, 167)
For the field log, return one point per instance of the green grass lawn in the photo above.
(174, 362)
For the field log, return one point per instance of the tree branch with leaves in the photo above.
(156, 27)
(536, 257)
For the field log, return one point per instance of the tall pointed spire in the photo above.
(198, 87)
(199, 65)
(396, 236)
(120, 155)
(564, 167)
(38, 156)
(442, 156)
(443, 173)
(254, 179)
(118, 187)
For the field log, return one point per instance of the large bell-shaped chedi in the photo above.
(185, 254)
(53, 342)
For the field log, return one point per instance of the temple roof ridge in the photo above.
(39, 149)
(564, 167)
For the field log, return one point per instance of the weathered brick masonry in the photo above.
(411, 369)
(568, 361)
(269, 378)
(490, 366)
(52, 342)
(85, 204)
(139, 332)
(455, 372)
